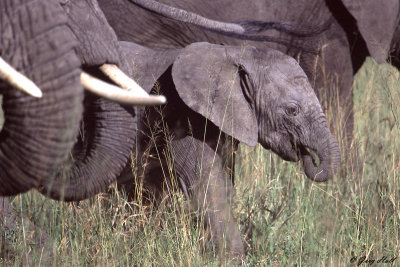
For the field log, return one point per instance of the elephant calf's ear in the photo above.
(207, 80)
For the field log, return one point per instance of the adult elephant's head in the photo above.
(256, 96)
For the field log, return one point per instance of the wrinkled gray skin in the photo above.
(252, 96)
(372, 28)
(108, 129)
(50, 42)
(357, 31)
(37, 133)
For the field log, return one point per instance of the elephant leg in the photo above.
(228, 151)
(210, 190)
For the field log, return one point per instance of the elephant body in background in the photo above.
(357, 30)
(330, 72)
(219, 96)
(372, 29)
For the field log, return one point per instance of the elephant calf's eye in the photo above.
(292, 110)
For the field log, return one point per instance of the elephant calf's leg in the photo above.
(210, 190)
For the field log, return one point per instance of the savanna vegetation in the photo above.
(285, 218)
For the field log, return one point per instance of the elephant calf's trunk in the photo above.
(329, 159)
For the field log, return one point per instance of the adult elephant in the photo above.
(218, 96)
(357, 31)
(108, 129)
(37, 133)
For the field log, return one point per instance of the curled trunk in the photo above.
(328, 154)
(107, 136)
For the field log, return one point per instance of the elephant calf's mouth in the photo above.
(298, 151)
(304, 150)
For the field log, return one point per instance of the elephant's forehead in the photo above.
(288, 74)
(291, 82)
(288, 70)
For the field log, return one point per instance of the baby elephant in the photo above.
(217, 97)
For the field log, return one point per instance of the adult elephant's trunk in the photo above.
(108, 133)
(327, 150)
(37, 133)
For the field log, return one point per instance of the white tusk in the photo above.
(18, 80)
(120, 78)
(117, 94)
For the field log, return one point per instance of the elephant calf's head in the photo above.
(258, 95)
(289, 116)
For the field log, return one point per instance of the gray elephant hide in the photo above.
(146, 64)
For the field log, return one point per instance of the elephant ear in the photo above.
(207, 78)
(146, 64)
(376, 21)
